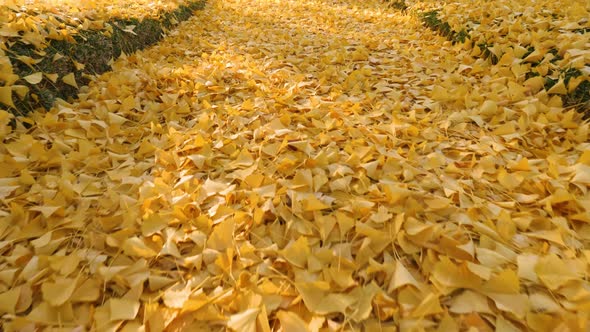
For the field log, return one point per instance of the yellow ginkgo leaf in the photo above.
(176, 296)
(34, 78)
(6, 96)
(297, 252)
(70, 80)
(554, 272)
(135, 246)
(52, 77)
(469, 301)
(401, 277)
(318, 298)
(521, 165)
(517, 304)
(123, 309)
(21, 90)
(290, 321)
(582, 174)
(222, 236)
(505, 129)
(430, 305)
(244, 321)
(314, 204)
(88, 291)
(59, 291)
(559, 88)
(9, 300)
(585, 158)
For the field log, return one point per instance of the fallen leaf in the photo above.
(291, 321)
(244, 321)
(9, 300)
(34, 78)
(297, 252)
(6, 96)
(123, 309)
(70, 80)
(553, 272)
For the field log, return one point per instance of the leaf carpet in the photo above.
(299, 166)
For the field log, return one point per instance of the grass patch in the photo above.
(431, 20)
(398, 4)
(579, 98)
(89, 53)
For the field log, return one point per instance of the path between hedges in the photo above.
(301, 165)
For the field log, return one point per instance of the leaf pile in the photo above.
(47, 48)
(297, 166)
(544, 45)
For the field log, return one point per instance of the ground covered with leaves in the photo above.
(299, 166)
(544, 44)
